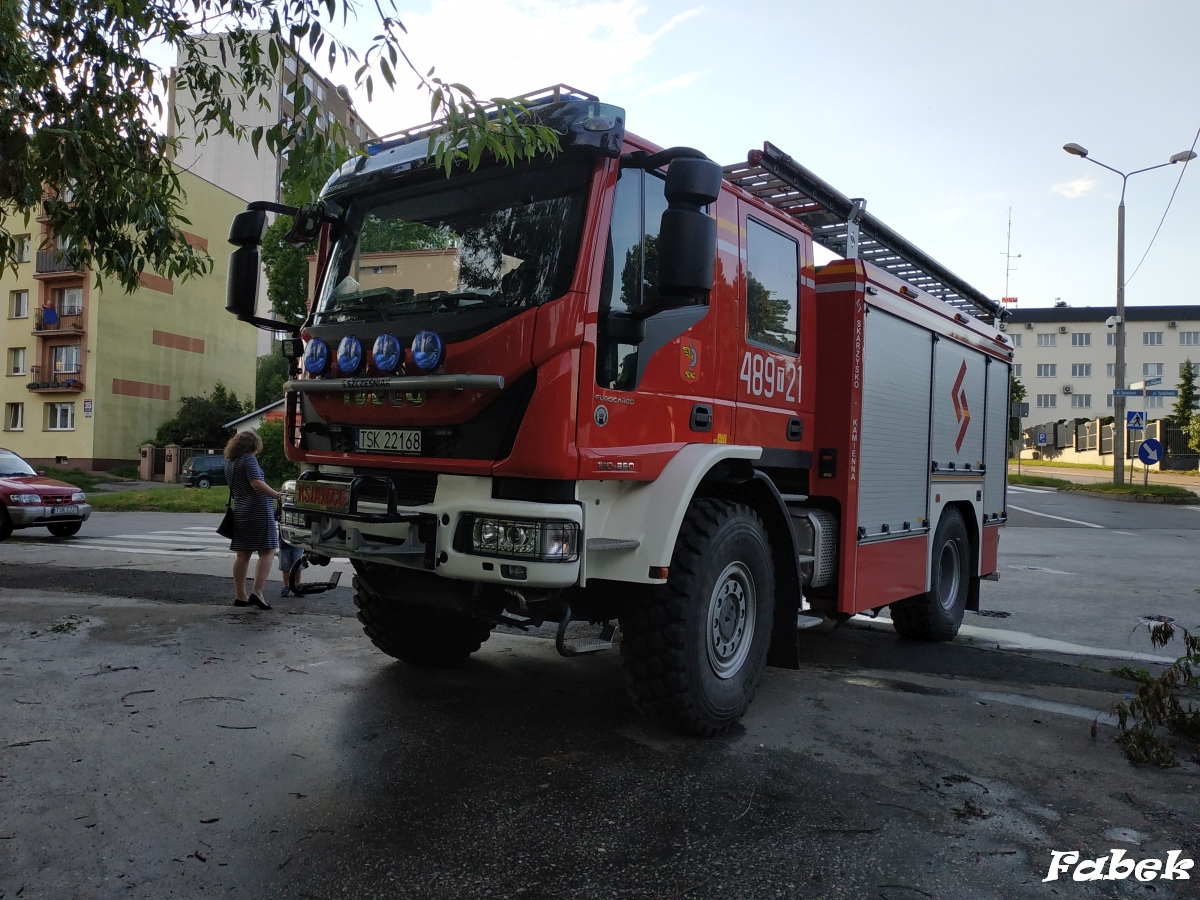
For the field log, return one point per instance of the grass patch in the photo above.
(85, 481)
(1040, 481)
(128, 470)
(162, 500)
(1060, 465)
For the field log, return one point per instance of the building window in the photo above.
(1047, 340)
(1016, 339)
(1108, 402)
(60, 416)
(1195, 367)
(1189, 338)
(321, 91)
(1017, 370)
(1152, 370)
(66, 359)
(1152, 338)
(68, 301)
(1047, 370)
(1081, 370)
(1081, 401)
(1112, 339)
(1047, 401)
(16, 361)
(772, 287)
(1110, 370)
(289, 64)
(18, 305)
(1153, 402)
(1081, 339)
(24, 248)
(14, 416)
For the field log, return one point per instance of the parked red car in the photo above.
(30, 500)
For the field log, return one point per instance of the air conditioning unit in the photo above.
(1066, 389)
(1029, 325)
(1062, 329)
(1002, 327)
(1172, 324)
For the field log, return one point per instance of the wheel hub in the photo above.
(949, 573)
(730, 620)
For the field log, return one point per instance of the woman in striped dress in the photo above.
(254, 513)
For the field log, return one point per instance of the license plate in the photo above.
(387, 440)
(323, 496)
(64, 510)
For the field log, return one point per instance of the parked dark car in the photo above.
(30, 500)
(203, 471)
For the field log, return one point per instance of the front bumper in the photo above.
(40, 516)
(425, 537)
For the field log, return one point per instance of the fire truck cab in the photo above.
(612, 387)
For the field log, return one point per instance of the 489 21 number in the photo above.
(764, 376)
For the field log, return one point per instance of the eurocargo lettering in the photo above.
(641, 404)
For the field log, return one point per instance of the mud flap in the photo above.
(973, 594)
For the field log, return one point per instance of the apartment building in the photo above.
(91, 372)
(1065, 356)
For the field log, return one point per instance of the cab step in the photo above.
(582, 646)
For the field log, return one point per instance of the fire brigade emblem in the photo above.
(958, 395)
(689, 360)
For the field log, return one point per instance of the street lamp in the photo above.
(1119, 339)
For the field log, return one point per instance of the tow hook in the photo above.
(582, 646)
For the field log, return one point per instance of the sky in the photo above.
(943, 115)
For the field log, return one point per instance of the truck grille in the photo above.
(414, 488)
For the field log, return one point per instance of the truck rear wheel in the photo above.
(937, 614)
(419, 635)
(697, 645)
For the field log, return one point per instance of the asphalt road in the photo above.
(165, 745)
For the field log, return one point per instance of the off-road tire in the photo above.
(204, 484)
(665, 630)
(421, 636)
(66, 529)
(937, 614)
(6, 528)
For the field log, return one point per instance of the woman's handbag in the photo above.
(228, 526)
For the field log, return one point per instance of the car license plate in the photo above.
(387, 440)
(64, 510)
(323, 496)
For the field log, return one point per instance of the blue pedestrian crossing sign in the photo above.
(1135, 420)
(1150, 452)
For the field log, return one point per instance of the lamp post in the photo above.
(1119, 338)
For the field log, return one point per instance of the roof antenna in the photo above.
(1008, 258)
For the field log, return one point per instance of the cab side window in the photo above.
(630, 279)
(772, 288)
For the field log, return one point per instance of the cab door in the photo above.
(770, 372)
(647, 398)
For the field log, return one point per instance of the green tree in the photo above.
(287, 272)
(272, 371)
(275, 464)
(201, 420)
(767, 316)
(1016, 392)
(80, 103)
(1185, 403)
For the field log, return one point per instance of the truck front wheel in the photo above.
(696, 646)
(937, 614)
(422, 636)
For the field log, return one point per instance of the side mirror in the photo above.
(306, 225)
(687, 238)
(241, 286)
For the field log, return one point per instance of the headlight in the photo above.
(554, 541)
(316, 356)
(386, 352)
(349, 355)
(25, 498)
(428, 350)
(78, 497)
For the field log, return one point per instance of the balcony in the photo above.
(43, 381)
(52, 264)
(68, 323)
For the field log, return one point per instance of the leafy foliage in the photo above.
(1156, 705)
(200, 421)
(767, 316)
(272, 371)
(275, 465)
(1016, 392)
(287, 272)
(80, 101)
(1184, 413)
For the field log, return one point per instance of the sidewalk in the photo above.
(1091, 476)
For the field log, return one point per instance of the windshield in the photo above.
(507, 238)
(11, 464)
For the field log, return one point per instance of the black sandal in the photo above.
(258, 602)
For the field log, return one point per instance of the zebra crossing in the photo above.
(192, 542)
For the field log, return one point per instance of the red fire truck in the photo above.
(612, 387)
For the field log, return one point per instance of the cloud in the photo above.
(671, 84)
(508, 47)
(1073, 189)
